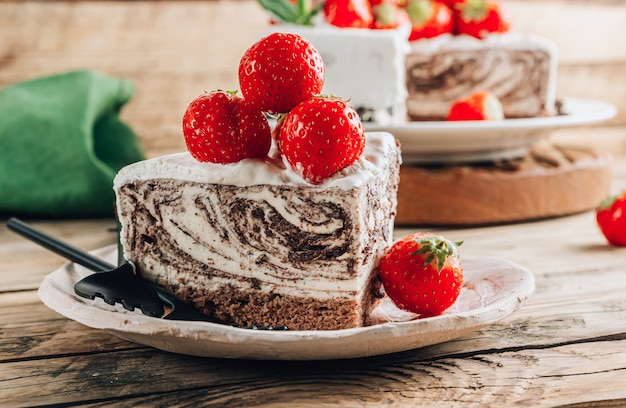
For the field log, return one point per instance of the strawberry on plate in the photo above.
(478, 18)
(280, 71)
(348, 13)
(611, 219)
(478, 106)
(429, 18)
(422, 273)
(221, 127)
(320, 137)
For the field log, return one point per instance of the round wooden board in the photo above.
(551, 180)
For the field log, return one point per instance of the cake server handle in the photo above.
(112, 284)
(60, 248)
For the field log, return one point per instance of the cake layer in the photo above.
(519, 69)
(260, 253)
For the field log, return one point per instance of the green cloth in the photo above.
(61, 144)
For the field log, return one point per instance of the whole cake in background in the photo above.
(262, 227)
(411, 61)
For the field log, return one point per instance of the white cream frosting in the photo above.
(250, 172)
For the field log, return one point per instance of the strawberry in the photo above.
(429, 19)
(388, 14)
(348, 13)
(451, 3)
(422, 273)
(394, 3)
(480, 17)
(478, 106)
(221, 127)
(611, 219)
(280, 71)
(320, 137)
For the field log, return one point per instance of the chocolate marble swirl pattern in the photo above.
(518, 77)
(266, 238)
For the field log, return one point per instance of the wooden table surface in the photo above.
(565, 347)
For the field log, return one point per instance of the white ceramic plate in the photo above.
(474, 141)
(493, 289)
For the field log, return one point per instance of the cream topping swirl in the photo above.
(249, 172)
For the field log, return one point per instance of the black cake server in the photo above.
(114, 284)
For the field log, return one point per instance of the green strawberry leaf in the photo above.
(436, 247)
(300, 13)
(420, 11)
(608, 202)
(474, 10)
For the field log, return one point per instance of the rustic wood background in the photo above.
(174, 50)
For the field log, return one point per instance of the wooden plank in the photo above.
(585, 31)
(542, 377)
(575, 239)
(32, 331)
(609, 139)
(172, 51)
(26, 263)
(604, 82)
